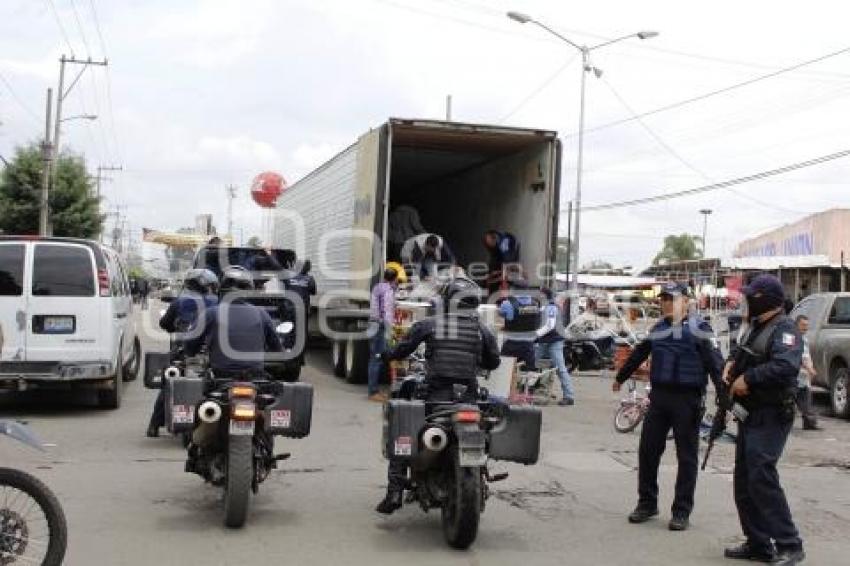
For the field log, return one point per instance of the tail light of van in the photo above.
(103, 282)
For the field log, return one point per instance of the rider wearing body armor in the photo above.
(521, 309)
(457, 345)
(198, 295)
(237, 333)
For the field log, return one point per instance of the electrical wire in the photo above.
(109, 105)
(80, 27)
(710, 94)
(722, 185)
(533, 94)
(19, 100)
(62, 29)
(97, 28)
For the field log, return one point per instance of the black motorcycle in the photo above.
(588, 349)
(447, 445)
(32, 524)
(229, 426)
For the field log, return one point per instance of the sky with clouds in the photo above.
(200, 94)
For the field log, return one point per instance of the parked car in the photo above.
(66, 314)
(829, 343)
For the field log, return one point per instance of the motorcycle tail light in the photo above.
(467, 417)
(243, 412)
(243, 391)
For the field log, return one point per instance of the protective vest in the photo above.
(676, 357)
(453, 351)
(527, 314)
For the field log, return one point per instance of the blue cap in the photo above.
(767, 285)
(674, 289)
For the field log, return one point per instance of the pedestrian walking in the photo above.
(381, 320)
(550, 343)
(804, 379)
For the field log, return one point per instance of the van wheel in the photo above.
(356, 360)
(111, 398)
(338, 357)
(838, 393)
(131, 368)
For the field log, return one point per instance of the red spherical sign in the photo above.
(266, 187)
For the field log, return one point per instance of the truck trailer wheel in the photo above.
(838, 393)
(356, 360)
(338, 357)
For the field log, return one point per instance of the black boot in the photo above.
(789, 557)
(642, 514)
(748, 552)
(391, 502)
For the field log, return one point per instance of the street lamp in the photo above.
(705, 212)
(586, 67)
(79, 117)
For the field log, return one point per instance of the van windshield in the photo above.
(11, 270)
(62, 271)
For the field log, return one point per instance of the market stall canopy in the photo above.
(610, 281)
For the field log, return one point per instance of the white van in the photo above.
(66, 317)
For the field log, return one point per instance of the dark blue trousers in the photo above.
(762, 506)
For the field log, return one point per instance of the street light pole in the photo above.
(47, 152)
(705, 212)
(586, 67)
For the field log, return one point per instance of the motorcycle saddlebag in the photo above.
(517, 437)
(182, 396)
(292, 413)
(403, 421)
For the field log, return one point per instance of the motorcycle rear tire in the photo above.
(50, 506)
(240, 477)
(462, 511)
(627, 418)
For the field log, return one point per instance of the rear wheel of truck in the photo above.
(237, 488)
(338, 357)
(838, 393)
(356, 360)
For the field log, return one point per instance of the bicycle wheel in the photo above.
(628, 417)
(32, 524)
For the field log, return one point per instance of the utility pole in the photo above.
(100, 177)
(231, 194)
(46, 150)
(60, 97)
(705, 212)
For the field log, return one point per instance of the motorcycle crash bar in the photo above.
(209, 412)
(435, 439)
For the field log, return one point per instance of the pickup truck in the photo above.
(829, 343)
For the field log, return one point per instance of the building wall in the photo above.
(825, 233)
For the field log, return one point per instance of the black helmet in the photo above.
(236, 280)
(200, 281)
(460, 293)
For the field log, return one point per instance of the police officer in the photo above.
(198, 294)
(457, 344)
(684, 353)
(304, 286)
(765, 386)
(521, 308)
(237, 333)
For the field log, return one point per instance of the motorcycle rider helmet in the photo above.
(200, 281)
(461, 294)
(236, 280)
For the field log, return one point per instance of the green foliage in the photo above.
(74, 210)
(679, 248)
(136, 273)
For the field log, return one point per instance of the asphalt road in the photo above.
(128, 500)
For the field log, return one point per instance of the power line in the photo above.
(20, 101)
(109, 105)
(712, 93)
(723, 184)
(97, 27)
(533, 94)
(80, 27)
(676, 155)
(62, 29)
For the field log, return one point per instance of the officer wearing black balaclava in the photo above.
(765, 386)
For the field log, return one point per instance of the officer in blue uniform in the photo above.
(765, 387)
(521, 309)
(199, 294)
(684, 354)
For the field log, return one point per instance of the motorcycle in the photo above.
(229, 426)
(447, 445)
(32, 524)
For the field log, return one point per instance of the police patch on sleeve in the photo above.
(789, 339)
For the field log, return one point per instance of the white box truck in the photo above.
(461, 179)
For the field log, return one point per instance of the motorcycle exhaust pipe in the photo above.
(209, 412)
(172, 372)
(435, 439)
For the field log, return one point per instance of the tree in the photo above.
(562, 252)
(679, 248)
(597, 264)
(254, 242)
(74, 210)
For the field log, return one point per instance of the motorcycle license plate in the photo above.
(471, 448)
(182, 414)
(472, 457)
(241, 428)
